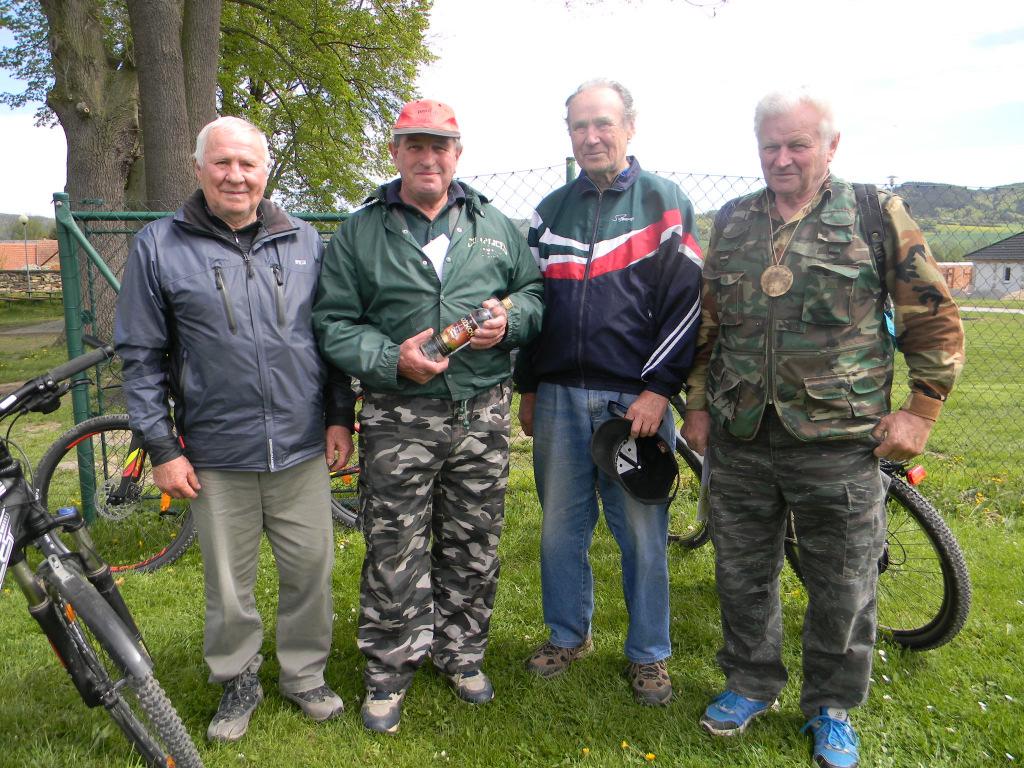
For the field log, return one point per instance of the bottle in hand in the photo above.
(457, 335)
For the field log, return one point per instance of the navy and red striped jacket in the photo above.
(622, 280)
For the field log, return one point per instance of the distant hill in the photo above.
(963, 205)
(38, 228)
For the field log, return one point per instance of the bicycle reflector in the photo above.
(916, 474)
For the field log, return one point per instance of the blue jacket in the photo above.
(228, 336)
(622, 281)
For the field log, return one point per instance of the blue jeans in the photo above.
(568, 484)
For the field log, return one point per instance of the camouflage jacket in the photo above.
(820, 352)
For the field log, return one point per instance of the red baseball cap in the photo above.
(427, 116)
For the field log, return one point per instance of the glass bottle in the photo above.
(457, 335)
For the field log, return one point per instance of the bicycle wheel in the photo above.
(119, 675)
(687, 528)
(924, 589)
(134, 526)
(345, 496)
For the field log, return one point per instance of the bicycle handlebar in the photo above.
(80, 363)
(45, 388)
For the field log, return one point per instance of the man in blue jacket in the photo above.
(621, 266)
(214, 313)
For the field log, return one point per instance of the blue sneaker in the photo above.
(835, 742)
(730, 714)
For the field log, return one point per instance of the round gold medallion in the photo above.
(776, 280)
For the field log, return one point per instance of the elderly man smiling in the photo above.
(214, 313)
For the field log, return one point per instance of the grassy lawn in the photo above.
(960, 705)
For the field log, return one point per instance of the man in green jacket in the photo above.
(422, 253)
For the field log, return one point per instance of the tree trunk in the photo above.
(96, 102)
(156, 32)
(200, 47)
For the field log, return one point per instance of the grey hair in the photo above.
(780, 102)
(236, 123)
(628, 109)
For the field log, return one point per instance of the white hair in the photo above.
(781, 102)
(628, 108)
(229, 123)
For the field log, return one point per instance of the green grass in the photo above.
(16, 312)
(960, 705)
(923, 710)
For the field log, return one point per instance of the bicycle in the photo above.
(72, 595)
(102, 464)
(924, 588)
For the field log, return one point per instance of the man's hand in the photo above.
(527, 402)
(901, 435)
(411, 362)
(696, 428)
(493, 330)
(646, 413)
(339, 446)
(177, 478)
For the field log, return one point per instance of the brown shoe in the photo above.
(651, 684)
(550, 660)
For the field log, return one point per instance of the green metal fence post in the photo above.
(72, 293)
(570, 169)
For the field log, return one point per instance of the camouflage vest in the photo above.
(820, 352)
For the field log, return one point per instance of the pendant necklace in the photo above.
(778, 278)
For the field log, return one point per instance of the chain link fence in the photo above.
(976, 234)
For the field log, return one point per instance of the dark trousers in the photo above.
(836, 494)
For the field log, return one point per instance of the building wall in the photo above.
(958, 276)
(997, 279)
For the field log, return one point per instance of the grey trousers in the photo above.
(293, 507)
(836, 493)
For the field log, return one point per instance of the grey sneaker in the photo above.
(317, 704)
(472, 686)
(550, 660)
(382, 711)
(241, 696)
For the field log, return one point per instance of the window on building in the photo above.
(1006, 274)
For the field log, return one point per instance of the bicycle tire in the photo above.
(131, 535)
(119, 673)
(345, 496)
(924, 588)
(686, 527)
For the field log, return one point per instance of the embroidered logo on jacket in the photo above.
(489, 246)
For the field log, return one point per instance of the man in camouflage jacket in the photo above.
(791, 389)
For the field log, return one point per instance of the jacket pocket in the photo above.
(829, 293)
(723, 391)
(729, 297)
(225, 298)
(845, 396)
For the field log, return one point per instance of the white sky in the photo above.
(925, 90)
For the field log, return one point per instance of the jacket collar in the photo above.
(196, 215)
(584, 185)
(387, 194)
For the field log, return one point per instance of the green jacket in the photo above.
(377, 289)
(820, 352)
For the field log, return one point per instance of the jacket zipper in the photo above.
(279, 293)
(586, 282)
(218, 274)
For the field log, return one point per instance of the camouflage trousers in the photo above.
(432, 484)
(836, 494)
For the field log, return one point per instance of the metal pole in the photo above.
(570, 169)
(23, 220)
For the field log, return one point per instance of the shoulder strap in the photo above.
(872, 227)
